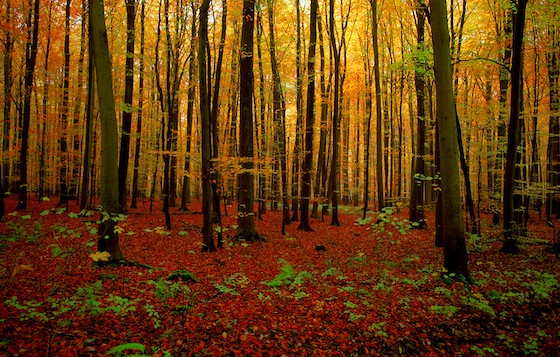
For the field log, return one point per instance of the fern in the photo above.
(118, 350)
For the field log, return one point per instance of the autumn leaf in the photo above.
(100, 256)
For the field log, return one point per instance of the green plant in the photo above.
(118, 350)
(87, 297)
(479, 303)
(386, 218)
(152, 312)
(531, 346)
(379, 329)
(288, 276)
(444, 310)
(122, 306)
(543, 284)
(482, 351)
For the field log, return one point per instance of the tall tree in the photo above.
(8, 45)
(108, 240)
(30, 61)
(309, 121)
(205, 122)
(279, 110)
(64, 152)
(417, 183)
(191, 93)
(378, 112)
(139, 114)
(455, 252)
(553, 67)
(246, 201)
(127, 111)
(334, 185)
(510, 225)
(299, 118)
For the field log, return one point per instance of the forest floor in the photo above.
(372, 290)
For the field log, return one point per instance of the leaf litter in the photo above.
(372, 291)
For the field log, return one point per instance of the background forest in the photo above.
(149, 120)
(384, 127)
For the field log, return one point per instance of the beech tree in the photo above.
(246, 216)
(127, 111)
(30, 61)
(309, 121)
(108, 238)
(455, 252)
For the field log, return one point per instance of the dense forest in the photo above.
(242, 122)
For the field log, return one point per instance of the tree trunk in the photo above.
(30, 61)
(455, 252)
(510, 229)
(309, 121)
(336, 119)
(134, 202)
(108, 240)
(419, 180)
(64, 153)
(127, 111)
(246, 216)
(553, 202)
(378, 112)
(320, 189)
(207, 230)
(279, 110)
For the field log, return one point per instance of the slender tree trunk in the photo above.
(205, 121)
(64, 152)
(216, 177)
(246, 216)
(299, 119)
(378, 114)
(334, 186)
(309, 121)
(455, 252)
(418, 180)
(108, 240)
(30, 61)
(553, 166)
(134, 202)
(191, 93)
(127, 111)
(279, 110)
(88, 138)
(319, 190)
(8, 45)
(510, 229)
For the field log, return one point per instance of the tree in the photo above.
(127, 111)
(455, 252)
(510, 229)
(334, 186)
(309, 121)
(133, 204)
(246, 200)
(108, 238)
(279, 110)
(417, 182)
(30, 61)
(207, 200)
(378, 115)
(64, 153)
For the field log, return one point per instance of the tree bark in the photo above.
(455, 253)
(246, 217)
(127, 111)
(510, 226)
(309, 121)
(108, 239)
(30, 61)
